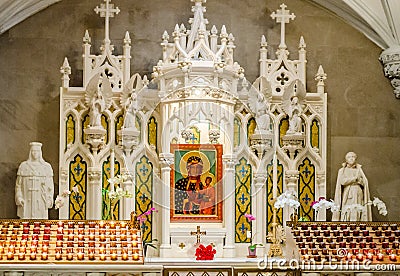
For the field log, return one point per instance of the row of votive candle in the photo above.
(351, 226)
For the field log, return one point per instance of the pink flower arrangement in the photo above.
(250, 217)
(143, 217)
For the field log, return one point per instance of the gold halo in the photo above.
(205, 175)
(185, 157)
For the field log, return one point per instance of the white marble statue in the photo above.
(352, 192)
(131, 108)
(34, 187)
(97, 106)
(261, 108)
(294, 113)
(98, 98)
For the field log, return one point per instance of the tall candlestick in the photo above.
(275, 176)
(112, 157)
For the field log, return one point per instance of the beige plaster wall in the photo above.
(363, 113)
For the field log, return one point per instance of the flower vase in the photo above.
(252, 251)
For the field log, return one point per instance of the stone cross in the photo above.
(282, 16)
(107, 10)
(198, 233)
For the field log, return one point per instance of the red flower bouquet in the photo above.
(205, 252)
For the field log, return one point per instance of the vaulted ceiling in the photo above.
(379, 20)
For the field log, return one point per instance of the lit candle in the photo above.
(113, 256)
(360, 257)
(45, 248)
(10, 256)
(80, 256)
(33, 256)
(44, 256)
(135, 256)
(112, 224)
(393, 257)
(21, 256)
(101, 224)
(59, 243)
(22, 249)
(60, 224)
(124, 256)
(91, 237)
(379, 257)
(58, 256)
(47, 230)
(134, 243)
(102, 257)
(70, 256)
(91, 256)
(123, 224)
(370, 256)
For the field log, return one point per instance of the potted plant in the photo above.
(252, 248)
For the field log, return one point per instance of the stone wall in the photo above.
(362, 110)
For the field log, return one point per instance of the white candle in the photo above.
(112, 157)
(275, 176)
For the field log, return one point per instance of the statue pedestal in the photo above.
(261, 142)
(128, 139)
(95, 137)
(293, 143)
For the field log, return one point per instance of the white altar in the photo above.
(197, 141)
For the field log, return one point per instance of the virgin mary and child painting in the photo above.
(196, 192)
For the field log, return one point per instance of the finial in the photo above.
(320, 77)
(302, 44)
(231, 38)
(127, 39)
(65, 69)
(86, 38)
(263, 41)
(176, 31)
(165, 37)
(214, 30)
(223, 31)
(282, 16)
(182, 29)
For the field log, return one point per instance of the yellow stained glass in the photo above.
(70, 131)
(144, 191)
(243, 181)
(315, 134)
(251, 127)
(306, 187)
(270, 195)
(283, 128)
(78, 179)
(236, 133)
(152, 132)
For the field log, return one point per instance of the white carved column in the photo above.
(229, 203)
(320, 191)
(259, 206)
(166, 160)
(391, 66)
(93, 197)
(127, 204)
(63, 185)
(291, 178)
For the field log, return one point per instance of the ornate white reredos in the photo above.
(196, 82)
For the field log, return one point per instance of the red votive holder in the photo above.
(385, 227)
(327, 233)
(60, 224)
(368, 239)
(343, 226)
(71, 224)
(35, 237)
(314, 226)
(36, 224)
(324, 226)
(333, 226)
(353, 226)
(46, 237)
(47, 230)
(395, 245)
(356, 232)
(393, 257)
(385, 244)
(25, 230)
(319, 239)
(363, 244)
(393, 226)
(363, 226)
(391, 238)
(309, 239)
(36, 230)
(339, 239)
(378, 233)
(304, 226)
(372, 245)
(379, 257)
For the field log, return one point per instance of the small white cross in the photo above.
(107, 10)
(282, 16)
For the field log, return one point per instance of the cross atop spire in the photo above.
(282, 16)
(107, 10)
